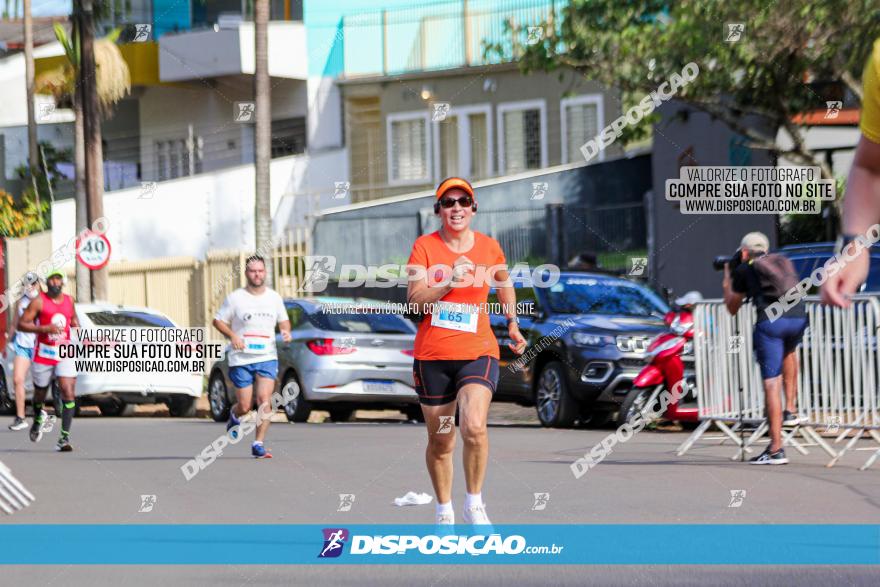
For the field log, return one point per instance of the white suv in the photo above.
(115, 394)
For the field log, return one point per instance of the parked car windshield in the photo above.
(588, 295)
(129, 318)
(374, 323)
(525, 299)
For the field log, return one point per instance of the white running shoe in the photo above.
(48, 424)
(18, 424)
(476, 515)
(793, 418)
(446, 519)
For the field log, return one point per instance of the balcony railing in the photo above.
(174, 16)
(442, 36)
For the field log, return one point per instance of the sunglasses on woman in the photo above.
(464, 202)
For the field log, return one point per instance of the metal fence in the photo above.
(614, 228)
(444, 35)
(521, 233)
(837, 382)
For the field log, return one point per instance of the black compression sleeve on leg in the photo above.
(67, 417)
(40, 395)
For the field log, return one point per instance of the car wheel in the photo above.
(114, 407)
(341, 414)
(7, 404)
(183, 406)
(298, 409)
(638, 399)
(414, 413)
(553, 401)
(218, 398)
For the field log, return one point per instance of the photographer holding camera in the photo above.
(753, 273)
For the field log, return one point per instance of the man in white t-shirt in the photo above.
(247, 318)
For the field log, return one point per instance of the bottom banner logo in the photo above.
(334, 540)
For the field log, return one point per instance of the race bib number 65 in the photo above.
(454, 317)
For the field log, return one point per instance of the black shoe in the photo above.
(789, 419)
(770, 458)
(63, 445)
(36, 433)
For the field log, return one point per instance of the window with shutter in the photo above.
(479, 145)
(449, 152)
(581, 122)
(409, 149)
(523, 140)
(178, 158)
(461, 142)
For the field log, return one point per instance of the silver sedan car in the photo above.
(345, 354)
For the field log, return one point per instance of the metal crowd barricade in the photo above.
(837, 382)
(840, 371)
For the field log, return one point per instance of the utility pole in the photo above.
(94, 159)
(83, 275)
(33, 146)
(262, 135)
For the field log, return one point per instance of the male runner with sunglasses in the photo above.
(456, 353)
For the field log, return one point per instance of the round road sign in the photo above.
(93, 250)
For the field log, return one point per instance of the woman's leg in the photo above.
(20, 368)
(440, 424)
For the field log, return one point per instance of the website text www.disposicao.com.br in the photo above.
(335, 540)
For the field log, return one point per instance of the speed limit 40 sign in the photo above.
(93, 250)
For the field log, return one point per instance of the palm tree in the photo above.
(262, 134)
(113, 82)
(113, 77)
(33, 162)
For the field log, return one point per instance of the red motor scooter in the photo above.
(667, 355)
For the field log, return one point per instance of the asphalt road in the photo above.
(118, 460)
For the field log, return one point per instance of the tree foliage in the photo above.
(23, 216)
(112, 74)
(19, 219)
(776, 69)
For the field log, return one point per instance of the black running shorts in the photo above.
(438, 382)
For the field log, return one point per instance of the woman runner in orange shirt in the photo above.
(456, 353)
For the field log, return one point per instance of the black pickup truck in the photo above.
(587, 337)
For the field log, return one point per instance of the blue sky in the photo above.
(49, 7)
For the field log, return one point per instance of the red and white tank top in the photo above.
(57, 313)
